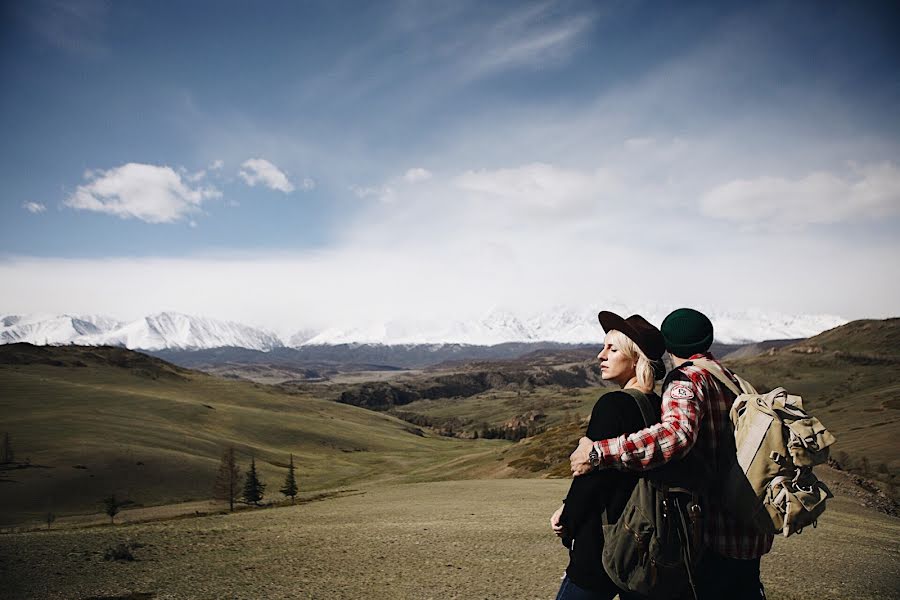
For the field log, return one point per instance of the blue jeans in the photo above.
(570, 591)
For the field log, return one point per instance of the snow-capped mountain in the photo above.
(166, 330)
(565, 325)
(175, 331)
(50, 329)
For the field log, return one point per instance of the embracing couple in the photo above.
(693, 415)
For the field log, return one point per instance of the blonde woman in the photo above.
(630, 358)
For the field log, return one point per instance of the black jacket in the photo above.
(614, 414)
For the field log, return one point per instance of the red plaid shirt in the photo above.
(690, 394)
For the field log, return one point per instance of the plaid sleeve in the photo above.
(673, 436)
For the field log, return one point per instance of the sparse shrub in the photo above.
(119, 552)
(112, 507)
(49, 518)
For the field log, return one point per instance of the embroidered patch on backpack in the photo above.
(680, 391)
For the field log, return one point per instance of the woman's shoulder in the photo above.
(613, 401)
(622, 403)
(625, 396)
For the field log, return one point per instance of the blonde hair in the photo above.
(644, 369)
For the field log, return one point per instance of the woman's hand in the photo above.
(579, 460)
(555, 525)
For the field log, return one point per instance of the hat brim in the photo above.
(610, 320)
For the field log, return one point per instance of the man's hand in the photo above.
(579, 460)
(555, 525)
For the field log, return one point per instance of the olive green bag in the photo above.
(770, 483)
(655, 544)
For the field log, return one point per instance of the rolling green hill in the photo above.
(87, 422)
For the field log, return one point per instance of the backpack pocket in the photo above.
(792, 505)
(642, 552)
(626, 545)
(808, 442)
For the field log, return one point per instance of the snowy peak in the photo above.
(167, 330)
(44, 329)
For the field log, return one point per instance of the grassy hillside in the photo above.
(87, 422)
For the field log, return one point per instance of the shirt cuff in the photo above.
(607, 452)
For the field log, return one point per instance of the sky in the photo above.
(308, 164)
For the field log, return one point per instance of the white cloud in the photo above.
(870, 192)
(150, 193)
(259, 170)
(308, 184)
(217, 165)
(416, 174)
(34, 207)
(539, 186)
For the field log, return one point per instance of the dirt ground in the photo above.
(458, 539)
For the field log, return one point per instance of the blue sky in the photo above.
(282, 163)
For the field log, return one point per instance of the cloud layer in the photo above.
(869, 192)
(139, 191)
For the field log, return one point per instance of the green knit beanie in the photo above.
(687, 332)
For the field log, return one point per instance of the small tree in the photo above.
(6, 450)
(253, 487)
(112, 507)
(290, 482)
(226, 487)
(50, 518)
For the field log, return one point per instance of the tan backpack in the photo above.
(770, 483)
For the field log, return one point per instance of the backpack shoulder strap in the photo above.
(719, 373)
(643, 404)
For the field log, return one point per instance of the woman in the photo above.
(631, 357)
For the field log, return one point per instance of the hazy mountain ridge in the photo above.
(562, 325)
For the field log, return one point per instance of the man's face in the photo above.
(614, 365)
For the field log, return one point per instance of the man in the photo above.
(695, 409)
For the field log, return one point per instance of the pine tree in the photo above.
(253, 487)
(226, 487)
(290, 482)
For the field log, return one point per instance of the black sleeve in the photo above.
(614, 414)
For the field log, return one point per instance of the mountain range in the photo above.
(177, 331)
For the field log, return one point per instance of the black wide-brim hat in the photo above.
(647, 337)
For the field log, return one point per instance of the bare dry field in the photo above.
(453, 539)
